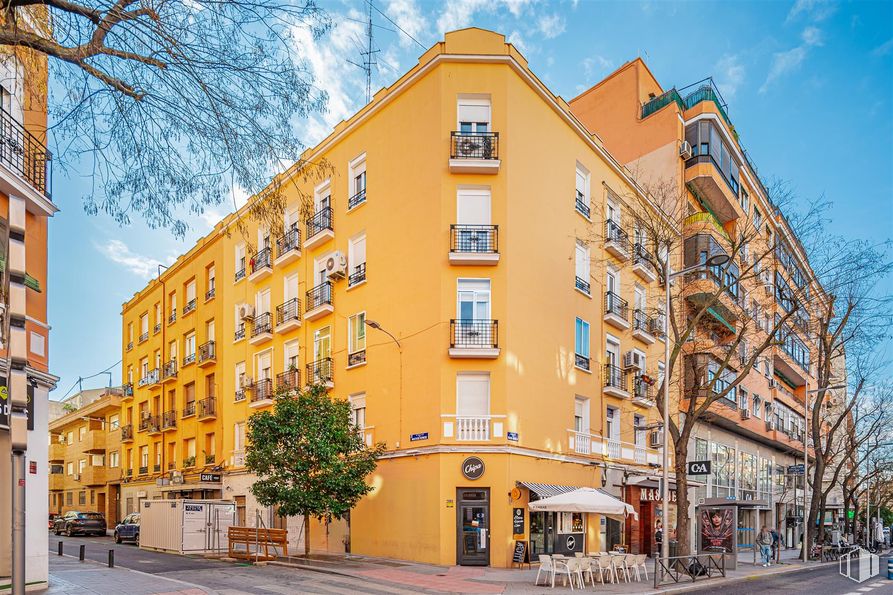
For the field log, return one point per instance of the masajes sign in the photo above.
(472, 468)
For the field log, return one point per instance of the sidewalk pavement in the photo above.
(457, 579)
(68, 576)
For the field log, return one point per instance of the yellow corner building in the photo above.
(468, 279)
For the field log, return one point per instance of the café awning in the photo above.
(546, 490)
(586, 500)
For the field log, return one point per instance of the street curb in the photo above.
(739, 579)
(124, 568)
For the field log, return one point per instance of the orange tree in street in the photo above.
(309, 458)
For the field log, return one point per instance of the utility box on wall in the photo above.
(186, 526)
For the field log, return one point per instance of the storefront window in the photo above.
(747, 475)
(723, 471)
(570, 522)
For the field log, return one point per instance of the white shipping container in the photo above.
(186, 526)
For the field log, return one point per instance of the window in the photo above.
(240, 375)
(239, 436)
(189, 447)
(581, 266)
(210, 282)
(570, 522)
(68, 498)
(756, 406)
(743, 400)
(722, 381)
(322, 344)
(581, 415)
(612, 424)
(581, 341)
(130, 332)
(240, 261)
(144, 456)
(144, 326)
(262, 302)
(82, 432)
(172, 300)
(172, 350)
(473, 299)
(114, 421)
(472, 395)
(700, 449)
(356, 254)
(114, 459)
(356, 333)
(82, 497)
(69, 469)
(158, 316)
(190, 294)
(12, 88)
(358, 411)
(638, 423)
(473, 114)
(190, 346)
(357, 186)
(581, 194)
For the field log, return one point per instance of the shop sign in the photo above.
(518, 521)
(698, 467)
(210, 477)
(512, 436)
(472, 468)
(32, 467)
(796, 469)
(571, 543)
(653, 495)
(419, 436)
(6, 406)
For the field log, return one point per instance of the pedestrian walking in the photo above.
(776, 542)
(764, 540)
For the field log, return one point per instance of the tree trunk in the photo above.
(683, 522)
(307, 535)
(812, 512)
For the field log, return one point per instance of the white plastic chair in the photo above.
(574, 571)
(586, 569)
(606, 566)
(629, 562)
(547, 567)
(641, 562)
(620, 569)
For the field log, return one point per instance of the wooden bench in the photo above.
(257, 543)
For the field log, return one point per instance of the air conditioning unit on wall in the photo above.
(685, 150)
(656, 439)
(633, 359)
(246, 312)
(336, 266)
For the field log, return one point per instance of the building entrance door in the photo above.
(473, 527)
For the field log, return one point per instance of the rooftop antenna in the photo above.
(368, 55)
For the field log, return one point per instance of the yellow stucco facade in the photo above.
(484, 256)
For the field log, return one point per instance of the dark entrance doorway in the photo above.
(473, 527)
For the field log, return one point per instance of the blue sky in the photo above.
(809, 86)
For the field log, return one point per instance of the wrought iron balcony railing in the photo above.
(22, 152)
(478, 145)
(157, 328)
(209, 295)
(127, 432)
(358, 275)
(240, 331)
(474, 334)
(290, 310)
(319, 296)
(207, 407)
(615, 233)
(615, 377)
(189, 409)
(262, 390)
(582, 362)
(476, 239)
(357, 199)
(261, 260)
(207, 351)
(320, 222)
(642, 322)
(581, 206)
(169, 370)
(290, 240)
(642, 257)
(356, 358)
(189, 359)
(581, 284)
(320, 372)
(144, 337)
(616, 305)
(263, 323)
(290, 379)
(169, 420)
(189, 307)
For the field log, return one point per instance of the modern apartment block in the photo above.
(686, 139)
(25, 208)
(85, 454)
(466, 278)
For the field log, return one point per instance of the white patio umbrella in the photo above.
(586, 500)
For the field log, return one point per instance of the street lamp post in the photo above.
(806, 419)
(669, 275)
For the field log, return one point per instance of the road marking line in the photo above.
(865, 589)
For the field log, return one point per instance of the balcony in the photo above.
(643, 393)
(172, 317)
(240, 395)
(616, 241)
(98, 476)
(189, 308)
(143, 470)
(319, 301)
(169, 420)
(357, 358)
(57, 452)
(581, 205)
(157, 328)
(474, 244)
(56, 482)
(261, 265)
(288, 315)
(169, 372)
(320, 372)
(189, 409)
(262, 393)
(144, 422)
(356, 200)
(211, 293)
(207, 408)
(127, 390)
(707, 181)
(582, 362)
(143, 337)
(320, 228)
(95, 441)
(615, 382)
(154, 424)
(644, 327)
(357, 276)
(127, 433)
(207, 354)
(580, 442)
(130, 346)
(240, 273)
(261, 329)
(288, 247)
(703, 222)
(474, 338)
(289, 380)
(473, 428)
(613, 448)
(643, 263)
(616, 311)
(582, 285)
(151, 377)
(26, 156)
(188, 360)
(240, 332)
(476, 153)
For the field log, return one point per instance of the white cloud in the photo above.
(516, 40)
(729, 75)
(458, 14)
(814, 10)
(812, 36)
(596, 66)
(551, 26)
(407, 14)
(783, 63)
(119, 253)
(883, 49)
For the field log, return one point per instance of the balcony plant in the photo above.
(189, 461)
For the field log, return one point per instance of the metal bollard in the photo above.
(60, 547)
(111, 558)
(82, 553)
(890, 569)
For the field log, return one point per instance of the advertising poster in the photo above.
(717, 529)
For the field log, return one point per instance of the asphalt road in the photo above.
(128, 555)
(823, 580)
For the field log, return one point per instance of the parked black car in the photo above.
(128, 529)
(73, 522)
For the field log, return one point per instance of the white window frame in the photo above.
(472, 377)
(582, 264)
(581, 413)
(474, 100)
(351, 322)
(355, 168)
(358, 410)
(582, 172)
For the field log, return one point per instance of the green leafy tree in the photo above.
(308, 457)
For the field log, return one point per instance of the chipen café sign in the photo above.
(653, 495)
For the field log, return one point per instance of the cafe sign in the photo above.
(653, 495)
(210, 477)
(472, 468)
